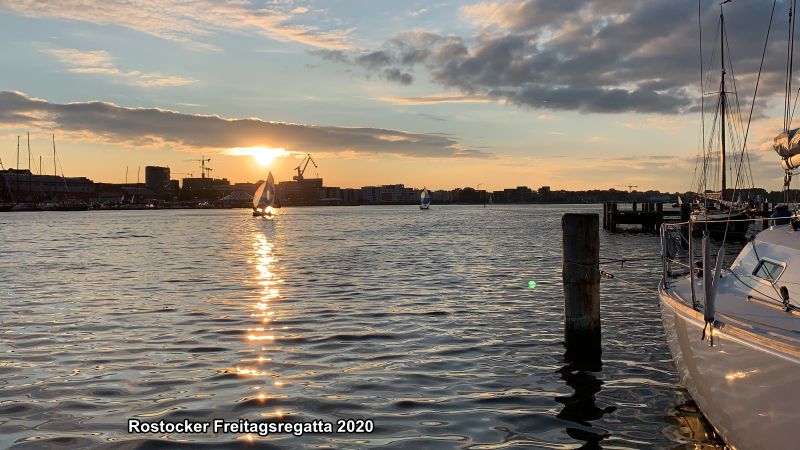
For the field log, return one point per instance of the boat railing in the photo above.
(681, 254)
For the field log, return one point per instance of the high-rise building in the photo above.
(157, 179)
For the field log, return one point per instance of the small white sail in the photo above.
(425, 199)
(258, 198)
(269, 191)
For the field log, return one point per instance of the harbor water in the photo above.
(424, 322)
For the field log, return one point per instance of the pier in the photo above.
(649, 216)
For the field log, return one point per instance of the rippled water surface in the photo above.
(420, 321)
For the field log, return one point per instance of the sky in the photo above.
(571, 94)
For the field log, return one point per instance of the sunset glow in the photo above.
(263, 155)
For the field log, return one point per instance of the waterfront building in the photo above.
(22, 185)
(370, 194)
(157, 179)
(544, 194)
(301, 192)
(249, 188)
(204, 188)
(351, 196)
(330, 196)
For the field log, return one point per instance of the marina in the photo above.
(162, 317)
(525, 224)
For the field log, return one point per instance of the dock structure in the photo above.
(650, 216)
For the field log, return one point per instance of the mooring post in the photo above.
(605, 215)
(612, 218)
(581, 277)
(633, 205)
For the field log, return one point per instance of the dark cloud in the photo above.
(591, 56)
(148, 126)
(396, 75)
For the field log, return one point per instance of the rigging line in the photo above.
(791, 116)
(707, 152)
(786, 73)
(738, 125)
(753, 102)
(612, 276)
(702, 89)
(791, 56)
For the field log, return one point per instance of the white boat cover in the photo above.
(787, 144)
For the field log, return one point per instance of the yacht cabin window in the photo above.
(768, 270)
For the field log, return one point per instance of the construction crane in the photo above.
(630, 187)
(300, 172)
(203, 169)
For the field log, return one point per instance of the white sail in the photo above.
(425, 198)
(269, 192)
(258, 198)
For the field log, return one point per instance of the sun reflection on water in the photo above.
(261, 336)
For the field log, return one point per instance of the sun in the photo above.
(263, 155)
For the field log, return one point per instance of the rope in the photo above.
(622, 261)
(642, 287)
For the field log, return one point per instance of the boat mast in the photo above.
(722, 99)
(30, 174)
(17, 189)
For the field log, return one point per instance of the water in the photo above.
(422, 322)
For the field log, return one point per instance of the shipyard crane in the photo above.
(629, 186)
(300, 172)
(203, 169)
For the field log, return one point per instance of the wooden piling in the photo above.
(612, 218)
(581, 279)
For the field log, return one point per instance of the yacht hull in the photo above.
(718, 224)
(748, 391)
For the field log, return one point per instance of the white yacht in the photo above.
(734, 333)
(736, 341)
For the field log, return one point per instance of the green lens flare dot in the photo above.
(531, 284)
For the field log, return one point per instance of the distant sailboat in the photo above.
(264, 199)
(425, 199)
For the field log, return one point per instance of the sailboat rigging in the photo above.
(720, 215)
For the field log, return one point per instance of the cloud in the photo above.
(100, 62)
(398, 76)
(596, 139)
(109, 123)
(187, 22)
(436, 99)
(546, 117)
(661, 123)
(594, 57)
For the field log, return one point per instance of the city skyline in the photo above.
(450, 95)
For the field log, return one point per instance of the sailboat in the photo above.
(733, 333)
(424, 199)
(721, 217)
(264, 199)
